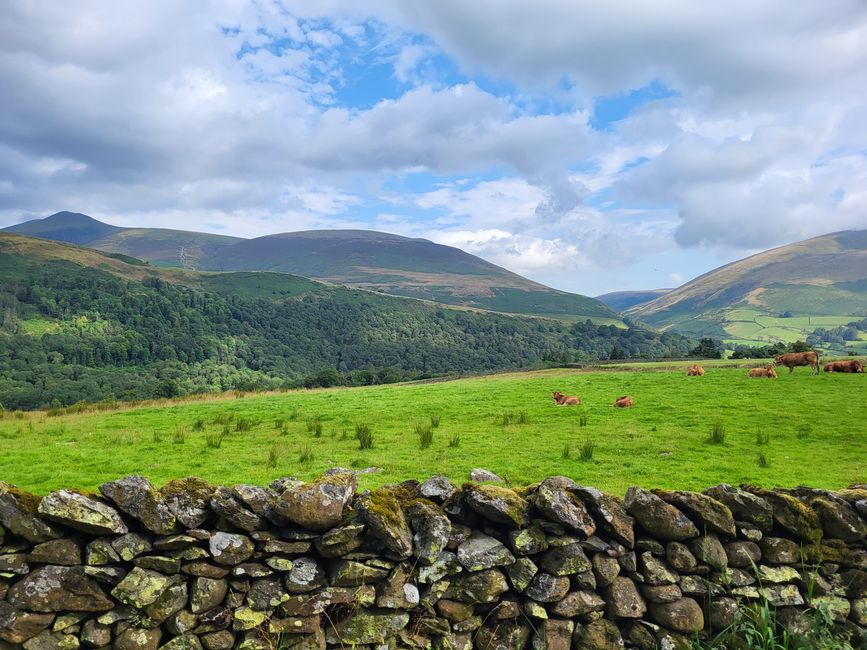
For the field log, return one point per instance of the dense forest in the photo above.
(73, 333)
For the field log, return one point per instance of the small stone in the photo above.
(171, 601)
(657, 517)
(14, 563)
(294, 625)
(578, 603)
(480, 587)
(661, 593)
(221, 640)
(207, 593)
(534, 610)
(95, 635)
(605, 569)
(655, 572)
(188, 499)
(781, 595)
(131, 545)
(528, 541)
(453, 610)
(136, 638)
(431, 530)
(225, 503)
(792, 515)
(280, 564)
(304, 576)
(287, 548)
(58, 588)
(248, 619)
(547, 588)
(679, 557)
(396, 591)
(167, 565)
(230, 549)
(61, 552)
(722, 612)
(481, 552)
(498, 504)
(141, 587)
(521, 573)
(565, 560)
(202, 569)
(682, 615)
(599, 635)
(317, 602)
(446, 564)
(104, 574)
(480, 475)
(348, 573)
(553, 634)
(743, 555)
(778, 574)
(778, 550)
(708, 550)
(438, 489)
(556, 500)
(251, 570)
(82, 513)
(266, 594)
(623, 599)
(138, 498)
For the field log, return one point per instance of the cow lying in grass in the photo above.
(623, 402)
(768, 372)
(695, 370)
(849, 365)
(565, 400)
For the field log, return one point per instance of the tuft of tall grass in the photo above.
(157, 435)
(510, 417)
(223, 418)
(199, 424)
(567, 451)
(213, 440)
(435, 420)
(425, 435)
(305, 456)
(762, 438)
(586, 452)
(454, 441)
(717, 434)
(294, 413)
(180, 436)
(582, 419)
(314, 426)
(804, 431)
(364, 435)
(243, 424)
(763, 461)
(279, 423)
(273, 456)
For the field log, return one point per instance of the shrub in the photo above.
(717, 434)
(425, 435)
(586, 452)
(364, 435)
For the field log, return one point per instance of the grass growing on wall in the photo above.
(662, 441)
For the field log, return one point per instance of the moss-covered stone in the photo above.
(382, 513)
(18, 513)
(481, 587)
(319, 504)
(230, 549)
(367, 626)
(431, 530)
(498, 504)
(556, 499)
(791, 514)
(82, 513)
(188, 499)
(599, 635)
(705, 511)
(839, 520)
(247, 618)
(141, 587)
(56, 589)
(744, 505)
(658, 517)
(137, 497)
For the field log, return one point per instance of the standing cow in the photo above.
(793, 359)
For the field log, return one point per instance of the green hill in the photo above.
(80, 324)
(781, 294)
(375, 261)
(623, 300)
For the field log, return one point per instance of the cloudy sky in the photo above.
(592, 146)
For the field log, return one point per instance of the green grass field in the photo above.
(817, 428)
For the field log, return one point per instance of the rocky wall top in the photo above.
(419, 565)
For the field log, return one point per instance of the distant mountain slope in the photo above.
(623, 300)
(820, 278)
(80, 324)
(375, 261)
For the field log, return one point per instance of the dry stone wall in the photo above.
(418, 565)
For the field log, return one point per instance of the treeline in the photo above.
(768, 351)
(73, 334)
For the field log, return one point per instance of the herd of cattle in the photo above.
(790, 361)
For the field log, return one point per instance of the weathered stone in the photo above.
(280, 547)
(836, 606)
(521, 573)
(225, 503)
(623, 599)
(480, 475)
(781, 595)
(779, 550)
(854, 581)
(106, 575)
(431, 530)
(221, 640)
(58, 588)
(247, 618)
(628, 562)
(95, 635)
(661, 593)
(183, 642)
(599, 635)
(188, 499)
(316, 602)
(138, 498)
(207, 593)
(167, 565)
(294, 625)
(348, 573)
(203, 569)
(47, 640)
(743, 555)
(366, 626)
(81, 513)
(14, 563)
(556, 500)
(341, 540)
(99, 553)
(438, 489)
(319, 504)
(585, 580)
(528, 541)
(655, 572)
(679, 557)
(136, 638)
(722, 612)
(839, 520)
(553, 634)
(260, 501)
(777, 574)
(737, 577)
(498, 504)
(62, 552)
(639, 634)
(446, 564)
(176, 542)
(251, 570)
(18, 513)
(709, 550)
(609, 514)
(279, 564)
(682, 615)
(229, 549)
(453, 610)
(171, 601)
(792, 515)
(481, 552)
(304, 576)
(565, 560)
(651, 545)
(859, 611)
(480, 587)
(131, 545)
(578, 603)
(181, 622)
(266, 594)
(502, 635)
(657, 517)
(547, 588)
(381, 512)
(706, 512)
(744, 505)
(17, 626)
(141, 587)
(397, 591)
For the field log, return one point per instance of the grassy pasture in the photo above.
(811, 430)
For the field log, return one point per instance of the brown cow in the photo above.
(623, 402)
(565, 400)
(849, 365)
(793, 359)
(695, 370)
(768, 372)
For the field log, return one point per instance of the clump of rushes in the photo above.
(305, 456)
(582, 420)
(214, 440)
(567, 451)
(763, 461)
(435, 420)
(425, 435)
(762, 438)
(586, 452)
(243, 424)
(717, 434)
(364, 435)
(273, 456)
(199, 424)
(314, 426)
(180, 436)
(454, 441)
